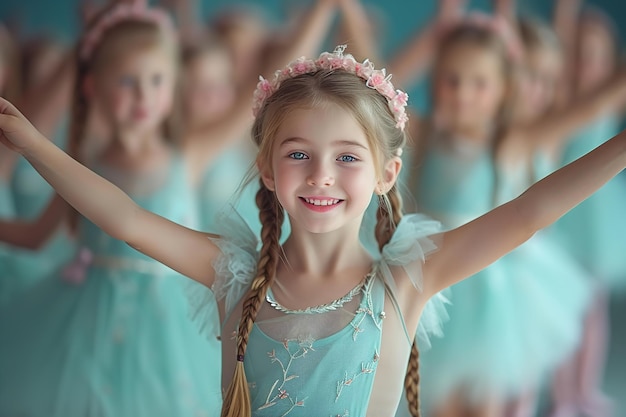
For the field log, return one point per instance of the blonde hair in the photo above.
(487, 39)
(371, 111)
(127, 35)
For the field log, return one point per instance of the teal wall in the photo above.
(400, 16)
(398, 19)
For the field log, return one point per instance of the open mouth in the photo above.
(321, 204)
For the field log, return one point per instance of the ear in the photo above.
(267, 176)
(390, 175)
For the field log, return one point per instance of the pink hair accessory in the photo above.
(496, 24)
(122, 12)
(375, 79)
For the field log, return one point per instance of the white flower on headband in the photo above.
(374, 79)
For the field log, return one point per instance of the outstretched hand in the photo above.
(16, 132)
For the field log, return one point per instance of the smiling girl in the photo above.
(316, 326)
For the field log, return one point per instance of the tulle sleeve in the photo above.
(234, 268)
(408, 248)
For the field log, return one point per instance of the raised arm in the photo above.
(357, 31)
(555, 128)
(565, 21)
(184, 250)
(188, 18)
(46, 103)
(204, 143)
(414, 58)
(472, 247)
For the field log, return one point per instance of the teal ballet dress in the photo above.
(109, 334)
(222, 185)
(594, 231)
(7, 274)
(344, 358)
(506, 327)
(31, 195)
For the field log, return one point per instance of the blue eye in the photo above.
(347, 158)
(297, 155)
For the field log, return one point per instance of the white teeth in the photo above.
(317, 202)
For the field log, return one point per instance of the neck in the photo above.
(137, 143)
(325, 254)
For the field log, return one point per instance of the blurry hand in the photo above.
(16, 132)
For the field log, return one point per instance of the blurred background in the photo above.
(395, 21)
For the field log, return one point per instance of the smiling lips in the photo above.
(320, 204)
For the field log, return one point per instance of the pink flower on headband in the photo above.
(122, 12)
(375, 79)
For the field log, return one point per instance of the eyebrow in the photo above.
(343, 142)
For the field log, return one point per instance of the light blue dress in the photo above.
(110, 334)
(505, 330)
(7, 212)
(222, 185)
(31, 195)
(321, 361)
(594, 231)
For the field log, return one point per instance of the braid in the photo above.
(412, 382)
(391, 203)
(388, 216)
(237, 400)
(80, 110)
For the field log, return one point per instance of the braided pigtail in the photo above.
(388, 216)
(237, 400)
(412, 382)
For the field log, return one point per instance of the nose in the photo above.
(320, 176)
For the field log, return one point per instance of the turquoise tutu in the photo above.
(31, 195)
(515, 320)
(109, 334)
(594, 232)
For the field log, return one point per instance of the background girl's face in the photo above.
(208, 87)
(136, 91)
(596, 56)
(469, 87)
(539, 82)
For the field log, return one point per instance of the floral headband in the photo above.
(495, 24)
(122, 12)
(374, 79)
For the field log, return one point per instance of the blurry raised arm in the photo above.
(414, 58)
(472, 247)
(505, 9)
(46, 103)
(204, 143)
(357, 31)
(556, 127)
(188, 18)
(186, 251)
(565, 21)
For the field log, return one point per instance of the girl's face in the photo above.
(323, 170)
(469, 88)
(208, 87)
(135, 93)
(596, 56)
(539, 81)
